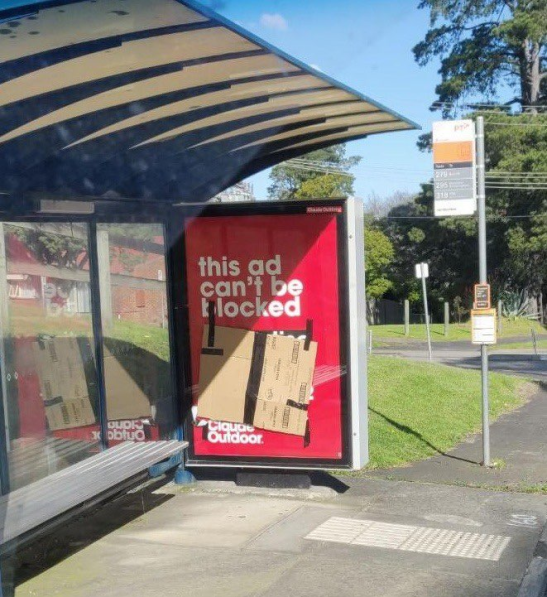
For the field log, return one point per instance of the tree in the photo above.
(516, 204)
(290, 181)
(379, 255)
(484, 45)
(516, 148)
(378, 207)
(325, 185)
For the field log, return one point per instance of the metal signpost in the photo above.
(458, 156)
(483, 279)
(422, 272)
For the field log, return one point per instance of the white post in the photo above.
(426, 311)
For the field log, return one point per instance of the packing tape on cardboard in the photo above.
(255, 374)
(210, 348)
(309, 334)
(295, 404)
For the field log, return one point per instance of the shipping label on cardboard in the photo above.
(70, 413)
(287, 370)
(275, 416)
(63, 383)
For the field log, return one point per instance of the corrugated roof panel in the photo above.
(135, 98)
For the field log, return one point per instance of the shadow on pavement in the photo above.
(68, 539)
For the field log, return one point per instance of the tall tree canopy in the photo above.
(516, 202)
(484, 45)
(293, 182)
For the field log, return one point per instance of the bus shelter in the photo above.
(118, 120)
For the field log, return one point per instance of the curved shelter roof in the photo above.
(157, 99)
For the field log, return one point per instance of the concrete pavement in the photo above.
(414, 533)
(225, 544)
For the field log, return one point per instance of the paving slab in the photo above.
(212, 544)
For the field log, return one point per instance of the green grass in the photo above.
(420, 409)
(541, 344)
(510, 329)
(153, 339)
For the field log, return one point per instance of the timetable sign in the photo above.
(482, 296)
(454, 177)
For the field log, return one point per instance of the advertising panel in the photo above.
(267, 306)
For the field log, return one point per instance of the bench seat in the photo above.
(27, 510)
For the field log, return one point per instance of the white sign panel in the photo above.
(418, 270)
(454, 176)
(483, 326)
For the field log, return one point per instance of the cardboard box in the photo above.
(126, 386)
(274, 416)
(63, 383)
(224, 374)
(70, 413)
(256, 378)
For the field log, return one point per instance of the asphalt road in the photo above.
(514, 362)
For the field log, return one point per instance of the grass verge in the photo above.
(420, 409)
(541, 345)
(510, 328)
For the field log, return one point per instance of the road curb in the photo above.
(534, 582)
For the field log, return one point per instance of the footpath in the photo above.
(444, 527)
(364, 537)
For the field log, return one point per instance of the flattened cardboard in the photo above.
(63, 382)
(274, 416)
(125, 398)
(223, 377)
(256, 378)
(70, 413)
(287, 371)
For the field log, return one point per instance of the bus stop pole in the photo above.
(481, 201)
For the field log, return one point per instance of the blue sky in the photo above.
(366, 44)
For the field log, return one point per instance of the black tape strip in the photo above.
(53, 401)
(218, 352)
(295, 404)
(309, 334)
(307, 435)
(211, 313)
(253, 384)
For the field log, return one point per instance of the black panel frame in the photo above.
(177, 241)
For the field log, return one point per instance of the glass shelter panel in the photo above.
(49, 384)
(134, 316)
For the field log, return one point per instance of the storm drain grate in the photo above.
(445, 542)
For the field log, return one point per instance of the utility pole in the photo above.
(483, 279)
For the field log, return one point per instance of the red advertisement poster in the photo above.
(277, 274)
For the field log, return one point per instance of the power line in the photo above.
(488, 217)
(514, 172)
(517, 188)
(480, 105)
(536, 124)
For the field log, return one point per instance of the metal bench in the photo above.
(34, 508)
